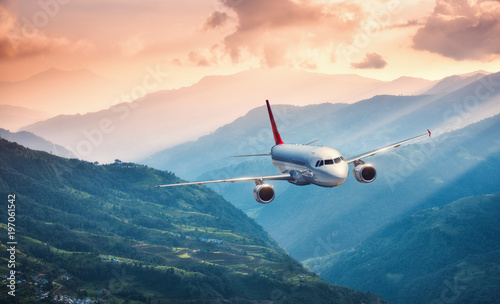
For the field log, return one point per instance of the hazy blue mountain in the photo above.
(455, 82)
(351, 128)
(103, 232)
(134, 130)
(448, 254)
(30, 140)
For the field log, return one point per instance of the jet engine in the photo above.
(263, 193)
(364, 173)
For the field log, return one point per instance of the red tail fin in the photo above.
(277, 137)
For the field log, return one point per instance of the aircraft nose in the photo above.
(336, 175)
(341, 172)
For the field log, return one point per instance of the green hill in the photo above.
(102, 232)
(449, 254)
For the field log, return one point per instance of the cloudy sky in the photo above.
(189, 39)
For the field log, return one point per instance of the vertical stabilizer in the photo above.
(277, 137)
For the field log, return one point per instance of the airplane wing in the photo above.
(358, 157)
(232, 180)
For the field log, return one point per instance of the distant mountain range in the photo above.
(351, 128)
(167, 118)
(13, 117)
(30, 140)
(63, 92)
(455, 82)
(85, 231)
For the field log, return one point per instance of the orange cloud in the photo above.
(276, 31)
(216, 20)
(371, 61)
(462, 30)
(20, 38)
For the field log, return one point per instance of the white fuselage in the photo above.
(322, 166)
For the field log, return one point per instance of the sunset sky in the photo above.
(189, 39)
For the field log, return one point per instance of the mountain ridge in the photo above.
(384, 113)
(34, 142)
(63, 92)
(13, 117)
(455, 82)
(197, 110)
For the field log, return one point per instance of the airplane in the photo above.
(305, 164)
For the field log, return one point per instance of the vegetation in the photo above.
(448, 254)
(102, 232)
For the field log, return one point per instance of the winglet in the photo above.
(429, 132)
(277, 137)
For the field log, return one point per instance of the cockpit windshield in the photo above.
(330, 161)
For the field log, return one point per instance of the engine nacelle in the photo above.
(364, 173)
(263, 193)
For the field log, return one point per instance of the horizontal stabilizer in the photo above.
(311, 142)
(250, 155)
